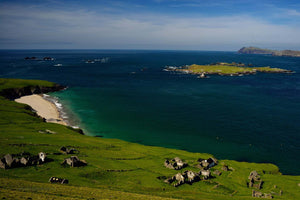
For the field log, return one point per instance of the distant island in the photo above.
(255, 50)
(222, 68)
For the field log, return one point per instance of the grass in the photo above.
(116, 169)
(21, 83)
(227, 69)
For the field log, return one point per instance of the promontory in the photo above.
(256, 50)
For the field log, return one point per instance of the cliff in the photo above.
(23, 88)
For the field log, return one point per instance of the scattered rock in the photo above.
(58, 180)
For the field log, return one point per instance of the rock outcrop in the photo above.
(14, 93)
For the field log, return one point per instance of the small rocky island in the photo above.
(255, 50)
(221, 68)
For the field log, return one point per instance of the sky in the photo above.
(214, 25)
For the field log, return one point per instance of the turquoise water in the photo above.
(126, 95)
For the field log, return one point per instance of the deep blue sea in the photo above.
(127, 95)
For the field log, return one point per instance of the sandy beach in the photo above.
(43, 107)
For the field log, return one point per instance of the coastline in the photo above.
(121, 166)
(44, 108)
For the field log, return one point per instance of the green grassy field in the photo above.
(228, 69)
(116, 169)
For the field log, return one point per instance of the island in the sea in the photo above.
(222, 68)
(256, 50)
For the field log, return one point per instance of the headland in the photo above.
(256, 50)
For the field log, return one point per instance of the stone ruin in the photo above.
(22, 160)
(261, 195)
(188, 177)
(175, 163)
(65, 150)
(182, 178)
(74, 161)
(58, 180)
(255, 180)
(206, 164)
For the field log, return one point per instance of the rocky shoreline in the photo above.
(14, 93)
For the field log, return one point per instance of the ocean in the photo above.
(125, 94)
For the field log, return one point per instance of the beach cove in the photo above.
(44, 108)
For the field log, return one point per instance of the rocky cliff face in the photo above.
(14, 93)
(255, 50)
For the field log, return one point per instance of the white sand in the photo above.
(43, 107)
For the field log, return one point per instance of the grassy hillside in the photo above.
(116, 169)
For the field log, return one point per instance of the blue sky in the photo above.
(149, 24)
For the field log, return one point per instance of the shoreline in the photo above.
(44, 108)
